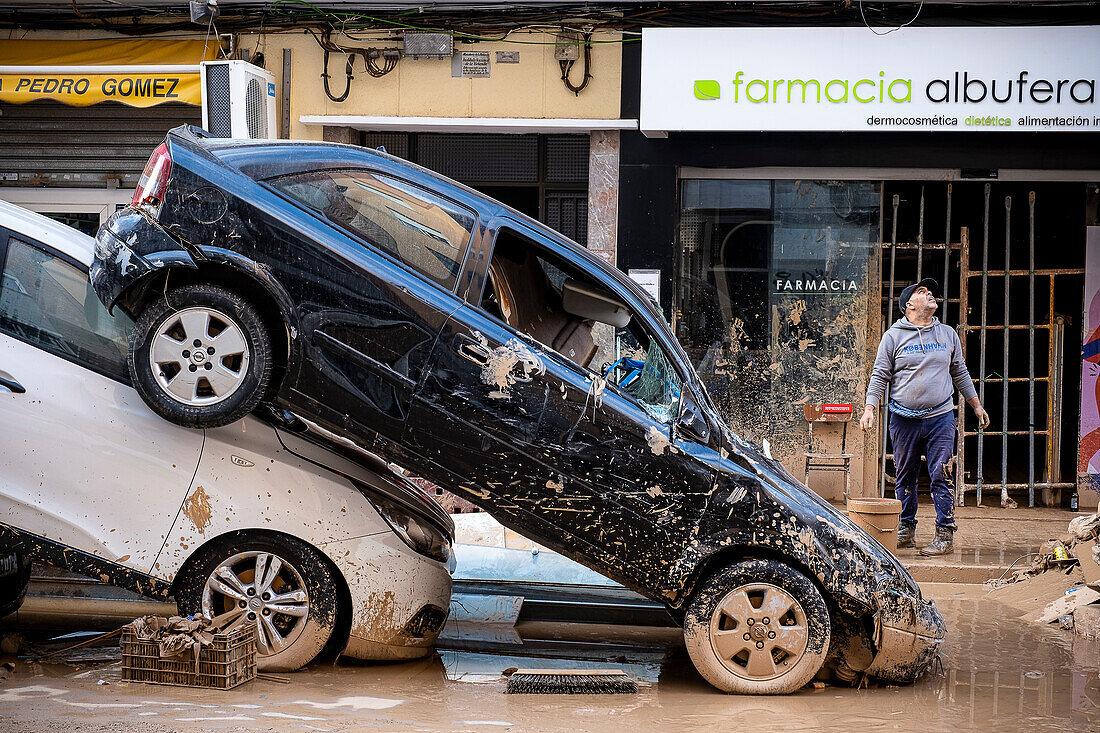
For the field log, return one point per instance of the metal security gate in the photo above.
(106, 145)
(1009, 258)
(567, 212)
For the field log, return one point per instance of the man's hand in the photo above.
(983, 417)
(868, 420)
(979, 412)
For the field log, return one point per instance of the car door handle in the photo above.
(473, 349)
(13, 386)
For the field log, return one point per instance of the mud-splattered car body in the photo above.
(484, 389)
(92, 481)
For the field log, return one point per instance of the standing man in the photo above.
(921, 360)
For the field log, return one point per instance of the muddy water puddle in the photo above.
(999, 673)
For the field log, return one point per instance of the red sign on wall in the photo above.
(837, 408)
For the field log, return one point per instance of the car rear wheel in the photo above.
(280, 584)
(200, 356)
(758, 627)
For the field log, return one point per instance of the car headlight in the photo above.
(414, 531)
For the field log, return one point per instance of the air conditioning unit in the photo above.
(238, 100)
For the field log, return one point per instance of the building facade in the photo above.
(774, 203)
(788, 199)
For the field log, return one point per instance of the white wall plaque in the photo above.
(470, 64)
(649, 280)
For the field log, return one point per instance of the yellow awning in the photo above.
(139, 73)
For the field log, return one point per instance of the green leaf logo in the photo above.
(707, 89)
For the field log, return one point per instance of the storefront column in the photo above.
(345, 135)
(603, 193)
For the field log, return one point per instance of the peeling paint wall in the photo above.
(777, 301)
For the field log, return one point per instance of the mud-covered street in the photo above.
(999, 672)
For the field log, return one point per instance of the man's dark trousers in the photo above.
(935, 438)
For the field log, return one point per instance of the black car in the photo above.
(460, 338)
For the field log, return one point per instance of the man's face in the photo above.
(922, 298)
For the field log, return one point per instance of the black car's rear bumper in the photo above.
(130, 246)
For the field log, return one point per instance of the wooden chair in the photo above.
(818, 461)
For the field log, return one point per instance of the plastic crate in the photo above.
(229, 661)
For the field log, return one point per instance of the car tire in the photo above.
(13, 585)
(295, 607)
(758, 628)
(200, 356)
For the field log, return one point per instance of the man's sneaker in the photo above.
(907, 535)
(942, 544)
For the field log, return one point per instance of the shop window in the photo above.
(726, 231)
(771, 293)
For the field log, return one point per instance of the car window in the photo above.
(49, 302)
(424, 231)
(568, 310)
(643, 370)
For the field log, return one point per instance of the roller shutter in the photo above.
(51, 144)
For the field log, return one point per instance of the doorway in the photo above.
(543, 176)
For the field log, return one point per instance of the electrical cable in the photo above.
(408, 26)
(481, 20)
(911, 20)
(389, 62)
(567, 66)
(1021, 557)
(347, 71)
(389, 56)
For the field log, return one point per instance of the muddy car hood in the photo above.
(776, 511)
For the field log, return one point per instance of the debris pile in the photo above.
(1078, 547)
(1076, 553)
(175, 636)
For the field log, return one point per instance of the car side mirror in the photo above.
(691, 422)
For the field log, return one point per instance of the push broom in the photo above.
(570, 681)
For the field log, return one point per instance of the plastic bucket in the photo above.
(879, 517)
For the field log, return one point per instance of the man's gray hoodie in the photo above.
(922, 366)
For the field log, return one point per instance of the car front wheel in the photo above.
(281, 585)
(200, 356)
(758, 627)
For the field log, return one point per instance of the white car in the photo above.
(319, 543)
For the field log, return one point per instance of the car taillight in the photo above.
(154, 179)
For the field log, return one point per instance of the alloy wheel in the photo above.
(199, 356)
(758, 631)
(258, 587)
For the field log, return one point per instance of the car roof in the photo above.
(61, 237)
(261, 159)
